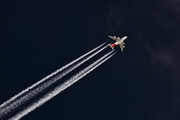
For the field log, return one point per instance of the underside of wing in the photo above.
(114, 38)
(121, 46)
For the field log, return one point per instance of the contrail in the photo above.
(52, 74)
(21, 100)
(63, 86)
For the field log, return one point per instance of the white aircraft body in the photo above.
(119, 42)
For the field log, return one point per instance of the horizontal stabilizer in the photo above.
(112, 47)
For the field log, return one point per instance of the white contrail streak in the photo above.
(62, 87)
(52, 74)
(23, 98)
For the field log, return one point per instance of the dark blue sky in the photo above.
(142, 83)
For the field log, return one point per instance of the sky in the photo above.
(140, 83)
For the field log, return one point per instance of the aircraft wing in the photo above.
(114, 38)
(121, 46)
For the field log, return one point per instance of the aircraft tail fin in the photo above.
(112, 47)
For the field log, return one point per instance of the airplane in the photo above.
(119, 42)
